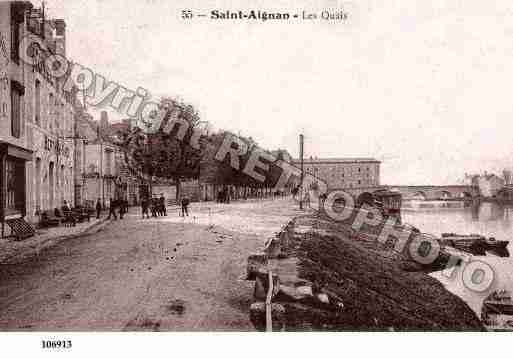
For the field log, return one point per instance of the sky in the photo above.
(423, 86)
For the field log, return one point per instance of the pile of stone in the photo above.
(325, 278)
(297, 304)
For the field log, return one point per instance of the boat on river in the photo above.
(497, 311)
(492, 242)
(475, 243)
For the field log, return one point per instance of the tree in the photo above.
(172, 151)
(221, 172)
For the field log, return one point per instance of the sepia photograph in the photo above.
(238, 167)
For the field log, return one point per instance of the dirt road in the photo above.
(166, 273)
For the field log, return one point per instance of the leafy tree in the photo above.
(221, 172)
(173, 151)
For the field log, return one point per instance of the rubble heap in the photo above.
(326, 276)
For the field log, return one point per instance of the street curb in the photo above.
(94, 228)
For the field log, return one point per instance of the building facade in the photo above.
(36, 118)
(343, 172)
(15, 149)
(100, 168)
(489, 184)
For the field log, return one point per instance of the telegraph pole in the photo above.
(301, 142)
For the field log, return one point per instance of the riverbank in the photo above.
(329, 277)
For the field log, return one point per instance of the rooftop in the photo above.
(339, 160)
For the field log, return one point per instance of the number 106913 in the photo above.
(56, 344)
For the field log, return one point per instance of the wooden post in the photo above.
(301, 143)
(268, 306)
(3, 187)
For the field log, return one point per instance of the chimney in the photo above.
(104, 122)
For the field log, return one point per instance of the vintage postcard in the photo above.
(255, 166)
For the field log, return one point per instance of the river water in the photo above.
(488, 219)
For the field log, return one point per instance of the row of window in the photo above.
(362, 182)
(340, 175)
(338, 169)
(109, 166)
(55, 114)
(56, 111)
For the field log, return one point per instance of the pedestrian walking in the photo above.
(121, 205)
(144, 207)
(159, 207)
(112, 209)
(230, 194)
(125, 205)
(98, 208)
(153, 207)
(185, 206)
(162, 201)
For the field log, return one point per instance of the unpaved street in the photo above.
(165, 273)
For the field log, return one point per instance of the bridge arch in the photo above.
(466, 194)
(420, 195)
(437, 192)
(445, 194)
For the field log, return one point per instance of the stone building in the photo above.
(36, 126)
(343, 172)
(489, 184)
(100, 169)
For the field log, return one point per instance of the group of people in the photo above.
(66, 213)
(223, 196)
(121, 205)
(157, 206)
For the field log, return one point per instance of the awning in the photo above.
(15, 151)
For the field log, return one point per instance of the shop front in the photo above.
(50, 177)
(13, 190)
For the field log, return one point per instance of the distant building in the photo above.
(100, 167)
(505, 193)
(507, 176)
(489, 184)
(470, 179)
(344, 172)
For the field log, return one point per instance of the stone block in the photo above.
(262, 285)
(273, 248)
(257, 316)
(256, 262)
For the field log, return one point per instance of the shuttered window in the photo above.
(15, 41)
(15, 111)
(38, 103)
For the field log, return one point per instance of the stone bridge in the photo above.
(356, 192)
(436, 192)
(422, 192)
